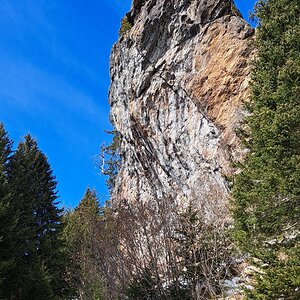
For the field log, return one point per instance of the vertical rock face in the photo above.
(178, 79)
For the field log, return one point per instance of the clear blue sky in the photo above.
(54, 80)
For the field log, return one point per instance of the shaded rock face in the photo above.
(178, 79)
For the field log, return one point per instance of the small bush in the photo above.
(125, 25)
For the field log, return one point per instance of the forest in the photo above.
(161, 251)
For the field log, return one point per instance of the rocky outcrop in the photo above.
(178, 79)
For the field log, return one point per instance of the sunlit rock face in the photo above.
(178, 80)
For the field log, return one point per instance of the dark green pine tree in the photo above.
(6, 214)
(267, 191)
(39, 261)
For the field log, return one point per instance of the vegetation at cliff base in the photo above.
(266, 193)
(81, 235)
(32, 264)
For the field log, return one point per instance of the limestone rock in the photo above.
(178, 79)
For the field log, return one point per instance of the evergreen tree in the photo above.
(82, 233)
(267, 191)
(6, 214)
(38, 272)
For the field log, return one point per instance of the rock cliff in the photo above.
(178, 79)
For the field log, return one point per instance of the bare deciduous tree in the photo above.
(160, 251)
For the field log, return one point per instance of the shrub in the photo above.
(125, 25)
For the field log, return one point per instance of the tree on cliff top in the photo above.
(267, 191)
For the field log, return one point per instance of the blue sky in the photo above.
(54, 80)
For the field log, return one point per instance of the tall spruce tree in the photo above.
(267, 191)
(6, 213)
(38, 272)
(82, 235)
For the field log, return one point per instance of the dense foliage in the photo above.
(6, 220)
(33, 257)
(266, 192)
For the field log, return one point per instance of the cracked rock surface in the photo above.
(178, 79)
